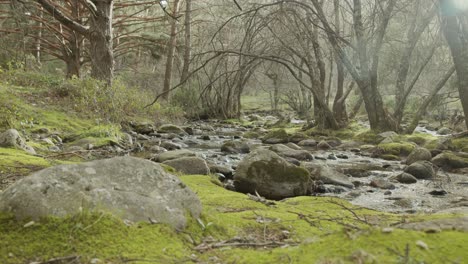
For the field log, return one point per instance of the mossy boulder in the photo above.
(265, 172)
(130, 188)
(143, 127)
(460, 144)
(368, 137)
(451, 160)
(396, 148)
(235, 147)
(169, 128)
(276, 137)
(422, 170)
(418, 154)
(189, 165)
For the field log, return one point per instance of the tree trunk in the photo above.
(171, 51)
(339, 106)
(100, 40)
(455, 28)
(422, 109)
(188, 40)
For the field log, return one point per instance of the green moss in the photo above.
(19, 162)
(368, 137)
(397, 149)
(318, 229)
(460, 144)
(420, 139)
(251, 135)
(277, 171)
(277, 134)
(390, 157)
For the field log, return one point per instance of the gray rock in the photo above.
(358, 170)
(388, 134)
(144, 128)
(276, 137)
(323, 145)
(271, 176)
(382, 184)
(189, 165)
(421, 170)
(327, 175)
(418, 154)
(175, 154)
(406, 178)
(451, 160)
(171, 129)
(235, 147)
(308, 143)
(170, 145)
(131, 188)
(287, 152)
(227, 172)
(12, 139)
(293, 146)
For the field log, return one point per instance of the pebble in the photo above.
(422, 245)
(387, 230)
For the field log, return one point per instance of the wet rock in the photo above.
(170, 145)
(334, 142)
(327, 175)
(174, 154)
(287, 152)
(293, 146)
(133, 189)
(298, 137)
(276, 137)
(382, 184)
(157, 149)
(342, 156)
(205, 137)
(418, 154)
(189, 165)
(234, 147)
(308, 143)
(358, 170)
(12, 139)
(323, 145)
(226, 171)
(451, 160)
(271, 176)
(421, 170)
(189, 130)
(438, 192)
(406, 178)
(293, 161)
(332, 157)
(169, 128)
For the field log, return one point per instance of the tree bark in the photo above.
(171, 47)
(455, 28)
(188, 40)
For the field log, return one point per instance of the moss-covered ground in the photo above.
(235, 229)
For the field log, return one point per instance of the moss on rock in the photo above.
(398, 149)
(276, 136)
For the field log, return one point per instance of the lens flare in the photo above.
(461, 4)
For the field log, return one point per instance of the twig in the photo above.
(68, 260)
(270, 244)
(237, 4)
(260, 199)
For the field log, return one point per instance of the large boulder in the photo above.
(234, 147)
(189, 165)
(287, 152)
(265, 172)
(421, 170)
(143, 128)
(450, 160)
(175, 154)
(418, 154)
(12, 139)
(328, 175)
(131, 188)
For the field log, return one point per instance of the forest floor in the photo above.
(234, 227)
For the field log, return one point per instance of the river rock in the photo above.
(169, 128)
(276, 137)
(271, 176)
(308, 143)
(421, 170)
(327, 175)
(12, 139)
(358, 170)
(175, 154)
(144, 128)
(406, 178)
(444, 131)
(234, 147)
(418, 154)
(323, 145)
(451, 160)
(170, 145)
(287, 152)
(382, 184)
(293, 146)
(226, 171)
(189, 165)
(131, 188)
